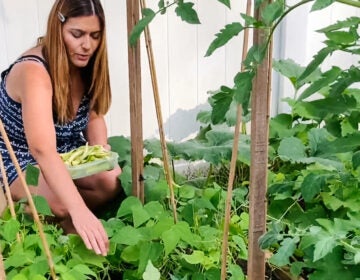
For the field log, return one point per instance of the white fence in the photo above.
(184, 74)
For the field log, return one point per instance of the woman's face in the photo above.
(82, 37)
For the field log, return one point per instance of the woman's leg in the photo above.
(100, 188)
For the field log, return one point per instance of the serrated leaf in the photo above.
(315, 63)
(186, 12)
(323, 247)
(148, 16)
(286, 250)
(226, 3)
(243, 87)
(312, 185)
(272, 12)
(289, 69)
(221, 102)
(342, 37)
(321, 4)
(225, 35)
(326, 79)
(351, 21)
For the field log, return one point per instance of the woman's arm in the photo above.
(32, 87)
(96, 131)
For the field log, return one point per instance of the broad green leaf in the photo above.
(151, 272)
(148, 16)
(236, 272)
(312, 185)
(292, 149)
(321, 4)
(20, 277)
(225, 35)
(32, 175)
(326, 79)
(84, 270)
(19, 259)
(42, 206)
(280, 126)
(272, 12)
(140, 215)
(131, 253)
(286, 250)
(226, 3)
(127, 205)
(196, 257)
(10, 229)
(186, 12)
(154, 209)
(315, 63)
(127, 236)
(170, 239)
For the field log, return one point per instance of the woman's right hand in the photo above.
(91, 230)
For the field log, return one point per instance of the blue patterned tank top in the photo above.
(68, 136)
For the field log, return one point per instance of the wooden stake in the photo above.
(137, 160)
(166, 163)
(234, 155)
(259, 156)
(30, 201)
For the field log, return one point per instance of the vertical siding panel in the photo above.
(160, 41)
(183, 70)
(21, 26)
(212, 69)
(3, 46)
(118, 118)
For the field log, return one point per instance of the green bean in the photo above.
(84, 154)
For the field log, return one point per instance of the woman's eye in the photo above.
(96, 35)
(77, 34)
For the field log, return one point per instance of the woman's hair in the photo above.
(95, 74)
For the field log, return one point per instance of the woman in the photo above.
(52, 100)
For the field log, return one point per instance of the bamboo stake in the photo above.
(167, 172)
(259, 155)
(2, 269)
(137, 161)
(225, 243)
(30, 201)
(9, 199)
(7, 188)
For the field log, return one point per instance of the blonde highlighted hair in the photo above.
(95, 74)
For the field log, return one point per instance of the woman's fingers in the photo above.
(93, 234)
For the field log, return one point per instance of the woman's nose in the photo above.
(86, 42)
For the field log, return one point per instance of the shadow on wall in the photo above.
(183, 124)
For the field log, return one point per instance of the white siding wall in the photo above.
(184, 74)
